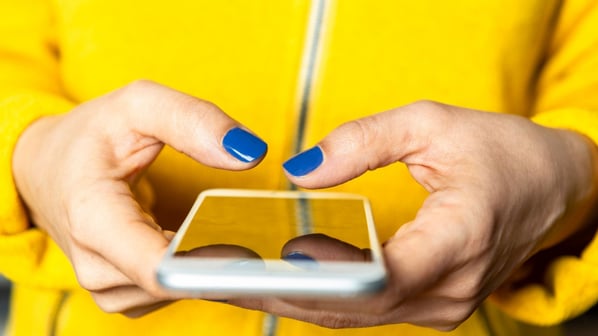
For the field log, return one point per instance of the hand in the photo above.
(501, 188)
(76, 172)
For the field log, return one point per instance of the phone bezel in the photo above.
(199, 277)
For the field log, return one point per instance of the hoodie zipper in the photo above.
(312, 49)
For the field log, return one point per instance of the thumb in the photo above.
(323, 247)
(361, 145)
(192, 126)
(142, 117)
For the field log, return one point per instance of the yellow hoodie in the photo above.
(291, 71)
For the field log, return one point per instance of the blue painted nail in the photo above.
(297, 256)
(305, 162)
(243, 145)
(301, 260)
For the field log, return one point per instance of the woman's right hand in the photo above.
(75, 173)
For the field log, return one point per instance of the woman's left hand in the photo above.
(501, 189)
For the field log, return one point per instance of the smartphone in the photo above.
(236, 243)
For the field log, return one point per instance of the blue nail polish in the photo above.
(243, 145)
(299, 256)
(305, 162)
(301, 260)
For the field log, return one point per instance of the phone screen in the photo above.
(264, 225)
(238, 242)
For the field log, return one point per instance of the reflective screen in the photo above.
(261, 226)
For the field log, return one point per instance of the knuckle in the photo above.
(335, 321)
(205, 106)
(455, 315)
(467, 293)
(361, 135)
(468, 289)
(130, 301)
(107, 304)
(339, 320)
(362, 132)
(430, 110)
(138, 86)
(155, 292)
(193, 113)
(134, 95)
(426, 104)
(88, 278)
(87, 282)
(424, 121)
(193, 116)
(150, 287)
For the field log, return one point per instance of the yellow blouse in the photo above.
(291, 71)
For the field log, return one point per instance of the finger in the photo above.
(417, 258)
(329, 319)
(129, 300)
(193, 126)
(441, 314)
(169, 235)
(322, 247)
(438, 313)
(105, 218)
(148, 115)
(439, 254)
(94, 273)
(222, 251)
(430, 247)
(366, 144)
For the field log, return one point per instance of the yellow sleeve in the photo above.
(29, 88)
(567, 97)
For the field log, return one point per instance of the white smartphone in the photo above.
(277, 243)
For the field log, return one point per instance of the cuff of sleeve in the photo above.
(31, 258)
(571, 283)
(22, 250)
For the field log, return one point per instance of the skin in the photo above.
(84, 197)
(501, 189)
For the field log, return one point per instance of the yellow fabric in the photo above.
(27, 254)
(566, 98)
(536, 58)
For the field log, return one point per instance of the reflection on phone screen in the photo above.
(260, 227)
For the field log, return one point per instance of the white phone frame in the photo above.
(201, 277)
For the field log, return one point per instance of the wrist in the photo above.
(19, 111)
(28, 149)
(576, 227)
(23, 154)
(580, 176)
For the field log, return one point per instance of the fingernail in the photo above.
(301, 260)
(243, 145)
(304, 162)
